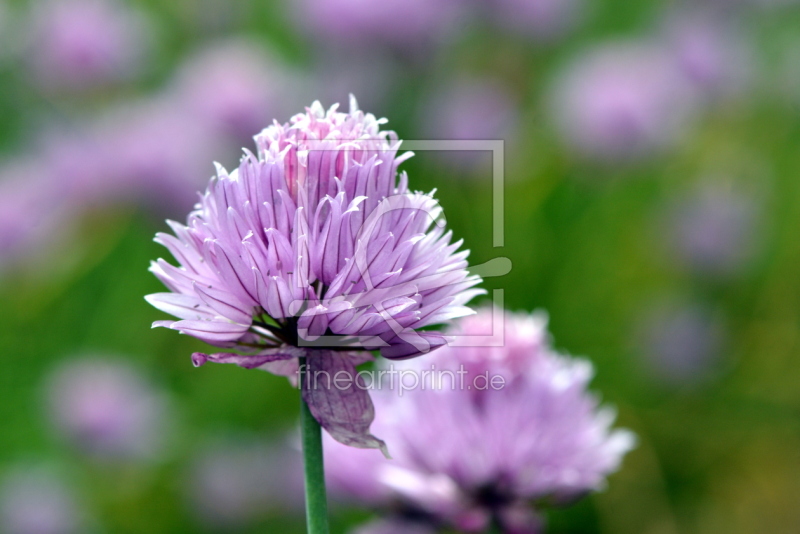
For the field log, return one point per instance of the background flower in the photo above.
(103, 407)
(711, 229)
(469, 449)
(37, 501)
(681, 342)
(360, 22)
(620, 101)
(226, 486)
(541, 19)
(77, 44)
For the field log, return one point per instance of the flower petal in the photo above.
(338, 398)
(246, 361)
(409, 344)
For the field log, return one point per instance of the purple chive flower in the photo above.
(620, 102)
(366, 23)
(315, 247)
(237, 481)
(682, 343)
(31, 212)
(364, 71)
(466, 451)
(235, 85)
(540, 19)
(482, 109)
(768, 5)
(78, 166)
(77, 44)
(709, 52)
(156, 160)
(713, 229)
(8, 45)
(106, 409)
(35, 501)
(158, 156)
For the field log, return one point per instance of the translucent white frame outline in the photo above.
(499, 266)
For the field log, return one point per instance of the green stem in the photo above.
(316, 499)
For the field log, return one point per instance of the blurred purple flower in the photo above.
(35, 501)
(713, 229)
(77, 44)
(682, 342)
(366, 72)
(476, 109)
(238, 481)
(107, 409)
(407, 25)
(78, 166)
(709, 51)
(8, 44)
(317, 235)
(158, 159)
(540, 19)
(31, 211)
(621, 102)
(766, 4)
(235, 85)
(465, 452)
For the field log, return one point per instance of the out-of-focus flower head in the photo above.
(406, 25)
(620, 102)
(316, 247)
(473, 109)
(487, 430)
(36, 501)
(78, 44)
(32, 214)
(765, 4)
(156, 161)
(234, 482)
(159, 157)
(107, 409)
(713, 228)
(235, 84)
(543, 20)
(364, 71)
(79, 167)
(709, 51)
(8, 44)
(681, 342)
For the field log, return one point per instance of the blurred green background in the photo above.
(651, 203)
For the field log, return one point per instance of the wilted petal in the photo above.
(338, 399)
(247, 361)
(288, 368)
